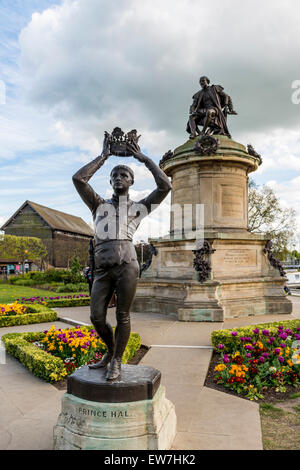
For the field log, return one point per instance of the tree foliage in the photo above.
(22, 248)
(76, 269)
(267, 215)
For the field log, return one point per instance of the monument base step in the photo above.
(212, 300)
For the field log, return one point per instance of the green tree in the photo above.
(267, 215)
(22, 248)
(76, 269)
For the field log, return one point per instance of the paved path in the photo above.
(207, 419)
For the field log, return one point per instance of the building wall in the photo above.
(28, 223)
(66, 245)
(61, 246)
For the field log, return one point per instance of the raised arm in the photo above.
(161, 179)
(81, 178)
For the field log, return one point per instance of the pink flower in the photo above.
(226, 359)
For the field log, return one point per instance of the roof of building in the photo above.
(57, 220)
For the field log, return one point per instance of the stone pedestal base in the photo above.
(241, 283)
(145, 424)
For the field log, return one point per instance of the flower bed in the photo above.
(263, 358)
(52, 355)
(76, 300)
(19, 314)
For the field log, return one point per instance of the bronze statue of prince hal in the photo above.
(115, 222)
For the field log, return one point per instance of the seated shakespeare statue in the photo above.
(115, 222)
(209, 109)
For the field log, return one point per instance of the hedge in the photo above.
(43, 364)
(35, 314)
(40, 363)
(82, 302)
(80, 287)
(225, 337)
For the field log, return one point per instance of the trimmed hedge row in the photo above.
(43, 364)
(40, 363)
(225, 337)
(82, 302)
(35, 314)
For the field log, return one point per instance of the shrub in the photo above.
(34, 314)
(55, 275)
(27, 348)
(225, 336)
(24, 282)
(53, 286)
(77, 302)
(13, 279)
(40, 363)
(81, 287)
(50, 277)
(76, 269)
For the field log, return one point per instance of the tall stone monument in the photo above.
(232, 272)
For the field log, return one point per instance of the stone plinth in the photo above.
(219, 182)
(131, 413)
(241, 281)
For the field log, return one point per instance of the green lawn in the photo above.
(9, 293)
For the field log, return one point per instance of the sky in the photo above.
(72, 69)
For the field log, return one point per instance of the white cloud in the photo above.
(97, 64)
(86, 66)
(279, 148)
(288, 193)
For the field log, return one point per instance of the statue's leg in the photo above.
(210, 114)
(102, 291)
(193, 126)
(125, 291)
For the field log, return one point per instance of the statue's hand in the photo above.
(135, 150)
(106, 146)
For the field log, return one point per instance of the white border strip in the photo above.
(179, 346)
(73, 322)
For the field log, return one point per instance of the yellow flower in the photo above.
(220, 367)
(237, 353)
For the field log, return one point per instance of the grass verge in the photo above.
(9, 293)
(280, 429)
